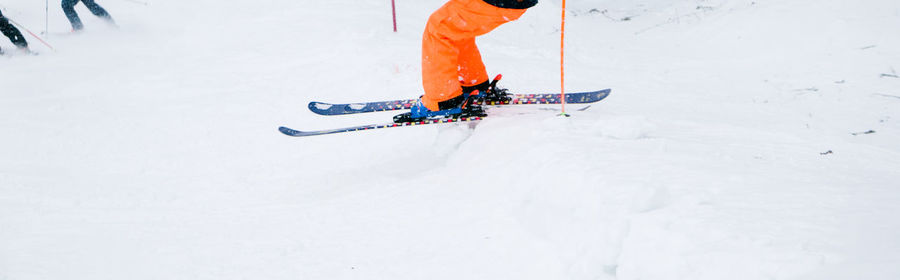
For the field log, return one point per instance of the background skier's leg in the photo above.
(68, 7)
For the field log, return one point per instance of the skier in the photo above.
(68, 7)
(13, 34)
(452, 69)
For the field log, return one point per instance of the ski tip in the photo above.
(322, 108)
(298, 133)
(314, 105)
(288, 131)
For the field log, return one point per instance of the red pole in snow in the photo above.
(394, 11)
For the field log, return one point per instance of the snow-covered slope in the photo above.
(734, 145)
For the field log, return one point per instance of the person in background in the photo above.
(13, 34)
(68, 7)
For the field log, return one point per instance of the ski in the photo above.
(329, 109)
(354, 108)
(298, 133)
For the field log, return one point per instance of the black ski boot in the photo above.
(488, 91)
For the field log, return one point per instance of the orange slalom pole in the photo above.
(562, 61)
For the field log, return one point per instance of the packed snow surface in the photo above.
(742, 140)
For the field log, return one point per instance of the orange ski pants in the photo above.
(450, 58)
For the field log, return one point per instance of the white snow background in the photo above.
(742, 140)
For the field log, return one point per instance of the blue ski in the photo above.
(329, 109)
(343, 109)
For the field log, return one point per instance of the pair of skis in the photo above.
(329, 109)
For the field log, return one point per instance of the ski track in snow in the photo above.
(735, 145)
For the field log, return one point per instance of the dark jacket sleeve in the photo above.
(12, 32)
(513, 4)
